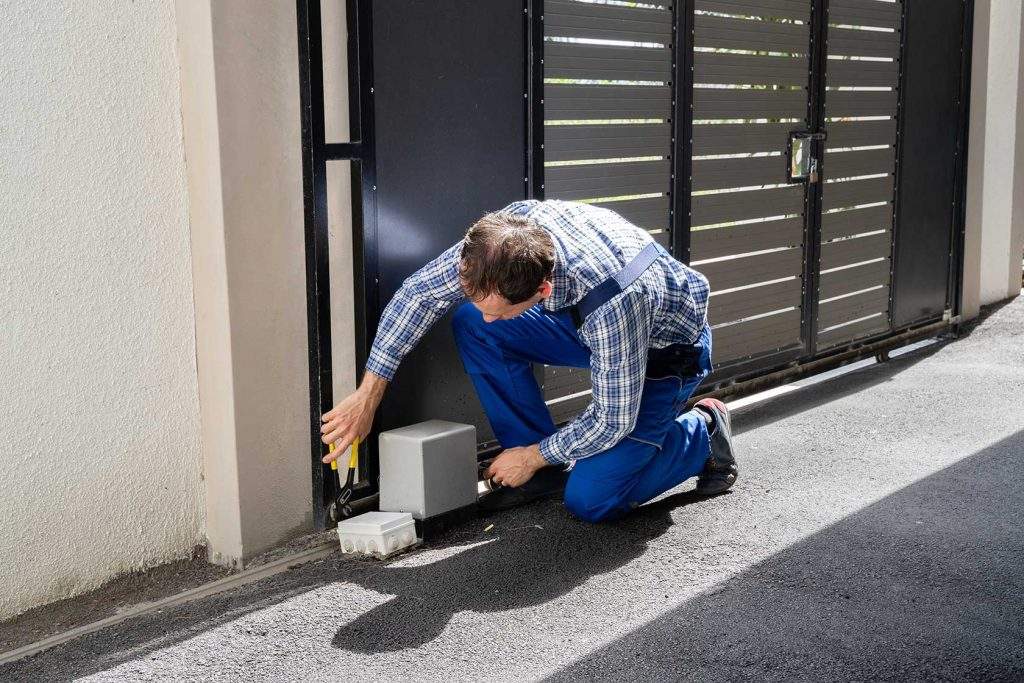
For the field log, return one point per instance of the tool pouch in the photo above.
(678, 360)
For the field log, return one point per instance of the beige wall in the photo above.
(995, 198)
(100, 470)
(240, 93)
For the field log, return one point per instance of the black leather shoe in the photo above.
(547, 482)
(720, 471)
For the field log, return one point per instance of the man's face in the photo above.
(496, 307)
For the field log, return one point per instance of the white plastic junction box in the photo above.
(377, 533)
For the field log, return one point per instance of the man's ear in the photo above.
(544, 291)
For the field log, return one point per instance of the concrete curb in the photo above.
(227, 583)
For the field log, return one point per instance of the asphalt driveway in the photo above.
(876, 532)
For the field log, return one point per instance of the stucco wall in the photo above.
(99, 426)
(995, 201)
(242, 124)
(1000, 136)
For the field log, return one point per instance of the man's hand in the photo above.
(352, 417)
(515, 466)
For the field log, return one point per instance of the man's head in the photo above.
(506, 265)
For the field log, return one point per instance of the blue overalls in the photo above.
(663, 450)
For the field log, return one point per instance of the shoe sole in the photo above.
(718, 485)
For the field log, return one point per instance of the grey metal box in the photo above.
(428, 468)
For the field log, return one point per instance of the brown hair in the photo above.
(507, 254)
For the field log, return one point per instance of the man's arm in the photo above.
(618, 335)
(422, 300)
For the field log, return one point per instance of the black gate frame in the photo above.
(736, 378)
(316, 152)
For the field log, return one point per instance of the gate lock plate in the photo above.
(803, 157)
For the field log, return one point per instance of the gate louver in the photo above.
(862, 77)
(607, 132)
(751, 64)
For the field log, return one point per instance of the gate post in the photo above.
(241, 123)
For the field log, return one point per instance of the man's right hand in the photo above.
(353, 417)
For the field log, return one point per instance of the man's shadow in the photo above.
(530, 557)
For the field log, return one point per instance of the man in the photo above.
(566, 284)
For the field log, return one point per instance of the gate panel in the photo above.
(930, 186)
(861, 103)
(607, 132)
(444, 156)
(751, 66)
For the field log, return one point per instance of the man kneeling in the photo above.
(566, 284)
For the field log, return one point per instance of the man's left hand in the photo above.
(515, 466)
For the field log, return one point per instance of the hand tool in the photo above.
(339, 508)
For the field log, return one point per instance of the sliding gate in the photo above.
(805, 155)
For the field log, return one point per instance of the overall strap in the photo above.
(615, 285)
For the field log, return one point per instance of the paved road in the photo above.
(877, 532)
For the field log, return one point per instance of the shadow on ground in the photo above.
(927, 583)
(532, 557)
(523, 566)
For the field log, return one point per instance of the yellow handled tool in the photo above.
(340, 509)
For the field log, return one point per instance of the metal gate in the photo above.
(688, 117)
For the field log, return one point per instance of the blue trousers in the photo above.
(663, 450)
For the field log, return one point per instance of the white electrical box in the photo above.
(428, 468)
(377, 533)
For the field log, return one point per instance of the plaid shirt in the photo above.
(666, 305)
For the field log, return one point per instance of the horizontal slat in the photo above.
(854, 42)
(560, 381)
(861, 133)
(840, 282)
(745, 34)
(861, 74)
(855, 221)
(565, 18)
(662, 237)
(715, 67)
(738, 138)
(852, 307)
(846, 103)
(855, 192)
(744, 103)
(847, 333)
(865, 13)
(779, 9)
(606, 180)
(585, 102)
(865, 162)
(719, 174)
(563, 411)
(711, 209)
(845, 252)
(744, 303)
(762, 335)
(741, 239)
(606, 62)
(566, 143)
(650, 213)
(749, 270)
